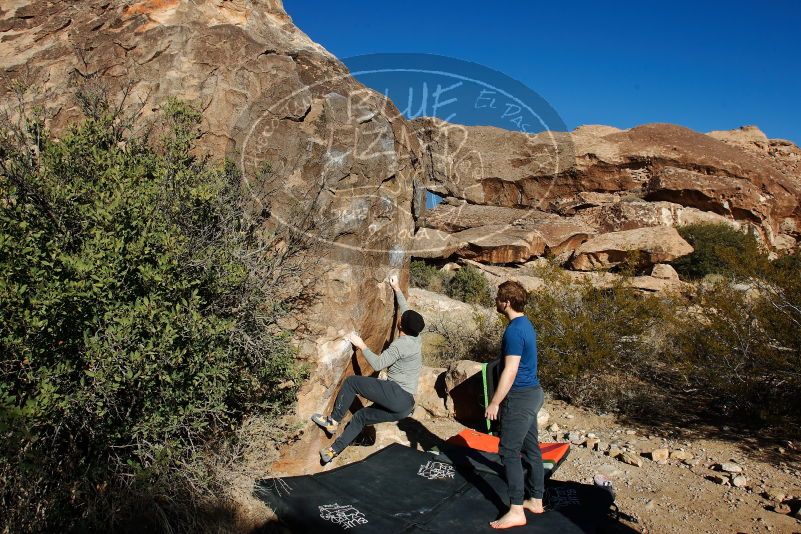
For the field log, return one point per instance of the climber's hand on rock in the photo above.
(394, 282)
(356, 341)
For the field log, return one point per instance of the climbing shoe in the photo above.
(327, 454)
(326, 423)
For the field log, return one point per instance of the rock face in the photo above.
(269, 96)
(670, 172)
(515, 235)
(653, 244)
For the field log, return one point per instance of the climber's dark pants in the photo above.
(391, 403)
(520, 443)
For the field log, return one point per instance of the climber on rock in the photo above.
(393, 398)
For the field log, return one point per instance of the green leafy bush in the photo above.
(720, 249)
(425, 276)
(138, 324)
(477, 339)
(470, 286)
(587, 334)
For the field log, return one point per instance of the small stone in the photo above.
(614, 451)
(681, 455)
(591, 443)
(601, 446)
(575, 438)
(630, 432)
(650, 505)
(631, 459)
(775, 495)
(553, 428)
(731, 467)
(591, 435)
(740, 481)
(569, 416)
(659, 455)
(781, 509)
(692, 462)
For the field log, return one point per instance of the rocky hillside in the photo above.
(593, 195)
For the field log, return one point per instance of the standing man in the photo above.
(393, 398)
(518, 398)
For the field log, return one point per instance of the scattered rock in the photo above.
(601, 446)
(660, 455)
(614, 451)
(740, 481)
(681, 455)
(664, 272)
(553, 428)
(591, 443)
(631, 458)
(575, 438)
(631, 432)
(781, 508)
(731, 467)
(775, 495)
(542, 418)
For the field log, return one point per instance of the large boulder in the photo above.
(651, 245)
(632, 214)
(339, 156)
(495, 234)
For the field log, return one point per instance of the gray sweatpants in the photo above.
(520, 443)
(391, 403)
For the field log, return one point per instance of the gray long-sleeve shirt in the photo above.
(403, 358)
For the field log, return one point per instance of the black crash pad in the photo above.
(399, 489)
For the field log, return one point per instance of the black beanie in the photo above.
(412, 322)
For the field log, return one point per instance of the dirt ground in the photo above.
(675, 496)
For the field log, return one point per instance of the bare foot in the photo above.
(515, 517)
(534, 506)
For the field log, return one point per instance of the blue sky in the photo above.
(705, 65)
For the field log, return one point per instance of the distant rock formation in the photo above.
(599, 179)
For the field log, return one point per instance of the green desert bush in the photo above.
(586, 334)
(425, 276)
(470, 286)
(720, 249)
(138, 323)
(738, 344)
(478, 339)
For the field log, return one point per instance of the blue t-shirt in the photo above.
(520, 339)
